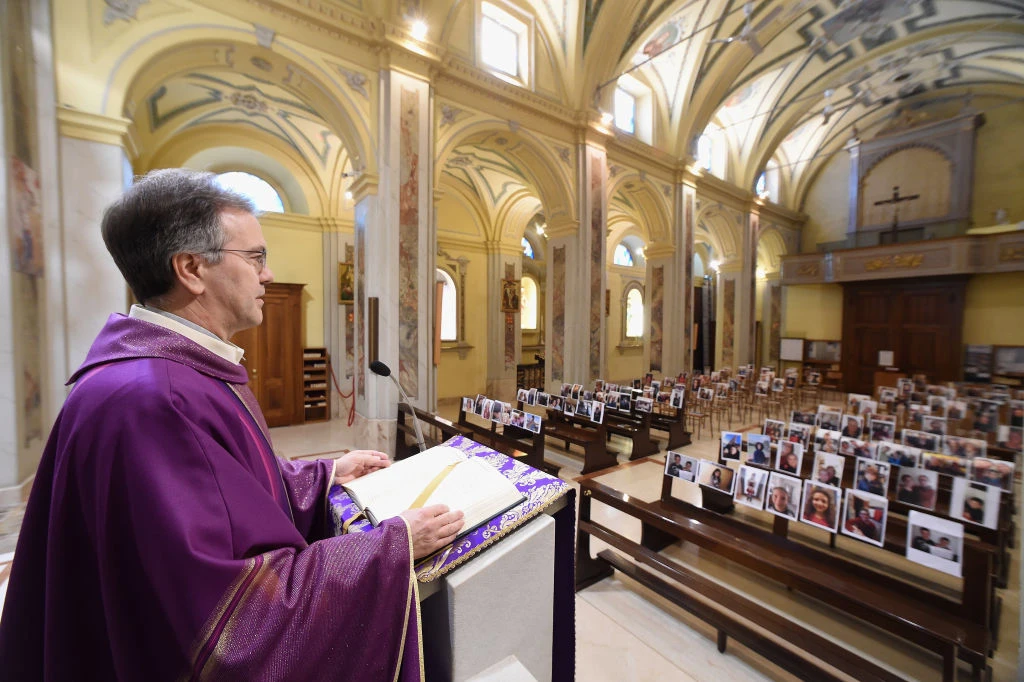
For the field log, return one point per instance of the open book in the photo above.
(440, 475)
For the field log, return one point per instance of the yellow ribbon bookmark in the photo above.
(432, 486)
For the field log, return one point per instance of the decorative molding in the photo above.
(1011, 254)
(355, 80)
(83, 125)
(906, 262)
(363, 186)
(121, 9)
(264, 36)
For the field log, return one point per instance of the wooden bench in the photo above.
(952, 629)
(435, 430)
(593, 441)
(526, 446)
(671, 420)
(636, 426)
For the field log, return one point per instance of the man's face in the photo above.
(922, 481)
(232, 299)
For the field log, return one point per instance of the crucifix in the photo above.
(896, 201)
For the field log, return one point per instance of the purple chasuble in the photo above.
(163, 539)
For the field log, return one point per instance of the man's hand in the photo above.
(432, 528)
(358, 463)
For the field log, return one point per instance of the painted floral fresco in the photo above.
(774, 321)
(557, 313)
(728, 320)
(409, 242)
(597, 240)
(657, 315)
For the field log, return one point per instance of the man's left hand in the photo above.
(358, 463)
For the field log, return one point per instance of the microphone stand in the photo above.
(380, 369)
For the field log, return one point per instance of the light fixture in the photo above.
(761, 273)
(419, 29)
(348, 196)
(715, 264)
(607, 119)
(540, 229)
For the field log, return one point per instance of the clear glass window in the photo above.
(528, 304)
(256, 189)
(634, 314)
(449, 309)
(527, 248)
(625, 111)
(499, 47)
(623, 256)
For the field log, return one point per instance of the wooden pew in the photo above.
(526, 446)
(952, 629)
(593, 441)
(634, 425)
(671, 420)
(435, 430)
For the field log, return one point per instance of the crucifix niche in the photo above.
(896, 201)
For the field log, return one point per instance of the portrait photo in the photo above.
(956, 410)
(995, 472)
(543, 399)
(521, 395)
(853, 401)
(483, 408)
(731, 446)
(555, 403)
(531, 397)
(821, 506)
(751, 484)
(934, 425)
(1017, 413)
(986, 416)
(871, 476)
(944, 464)
(706, 394)
(975, 502)
(715, 476)
(829, 420)
(761, 388)
(681, 466)
(1011, 438)
(596, 411)
(826, 441)
(584, 408)
(936, 543)
(773, 428)
(849, 446)
(798, 417)
(853, 426)
(517, 418)
(921, 440)
(783, 495)
(828, 469)
(678, 398)
(569, 406)
(533, 422)
(759, 450)
(789, 457)
(864, 517)
(644, 404)
(917, 487)
(468, 405)
(882, 429)
(898, 455)
(800, 433)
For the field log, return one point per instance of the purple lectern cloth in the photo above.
(542, 490)
(163, 540)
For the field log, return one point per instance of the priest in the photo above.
(163, 539)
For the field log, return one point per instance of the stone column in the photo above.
(676, 302)
(577, 279)
(504, 263)
(395, 243)
(771, 317)
(338, 248)
(728, 282)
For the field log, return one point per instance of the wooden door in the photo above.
(273, 355)
(920, 321)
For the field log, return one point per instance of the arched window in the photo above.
(449, 307)
(761, 188)
(625, 110)
(527, 248)
(623, 256)
(528, 307)
(705, 148)
(256, 189)
(634, 318)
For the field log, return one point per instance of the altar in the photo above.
(499, 604)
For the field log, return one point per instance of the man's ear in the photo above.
(188, 270)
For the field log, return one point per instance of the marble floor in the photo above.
(625, 633)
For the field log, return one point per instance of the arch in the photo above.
(529, 153)
(266, 154)
(645, 204)
(771, 247)
(515, 214)
(149, 62)
(721, 231)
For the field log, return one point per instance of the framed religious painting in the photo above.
(510, 296)
(346, 289)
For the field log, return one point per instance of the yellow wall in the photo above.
(812, 311)
(999, 164)
(458, 377)
(994, 309)
(827, 204)
(624, 364)
(295, 254)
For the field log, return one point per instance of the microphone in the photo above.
(382, 370)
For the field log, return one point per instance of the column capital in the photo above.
(773, 277)
(732, 267)
(363, 186)
(83, 125)
(564, 227)
(659, 250)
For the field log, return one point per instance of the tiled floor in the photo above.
(625, 633)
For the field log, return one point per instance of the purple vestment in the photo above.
(164, 540)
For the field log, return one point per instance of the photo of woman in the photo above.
(872, 477)
(821, 504)
(790, 458)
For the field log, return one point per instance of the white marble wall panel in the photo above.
(8, 432)
(92, 176)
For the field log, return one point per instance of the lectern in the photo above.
(500, 602)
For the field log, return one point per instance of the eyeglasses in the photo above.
(257, 257)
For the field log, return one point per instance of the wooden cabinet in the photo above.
(316, 384)
(273, 355)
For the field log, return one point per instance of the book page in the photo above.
(472, 486)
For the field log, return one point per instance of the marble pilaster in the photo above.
(395, 243)
(503, 338)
